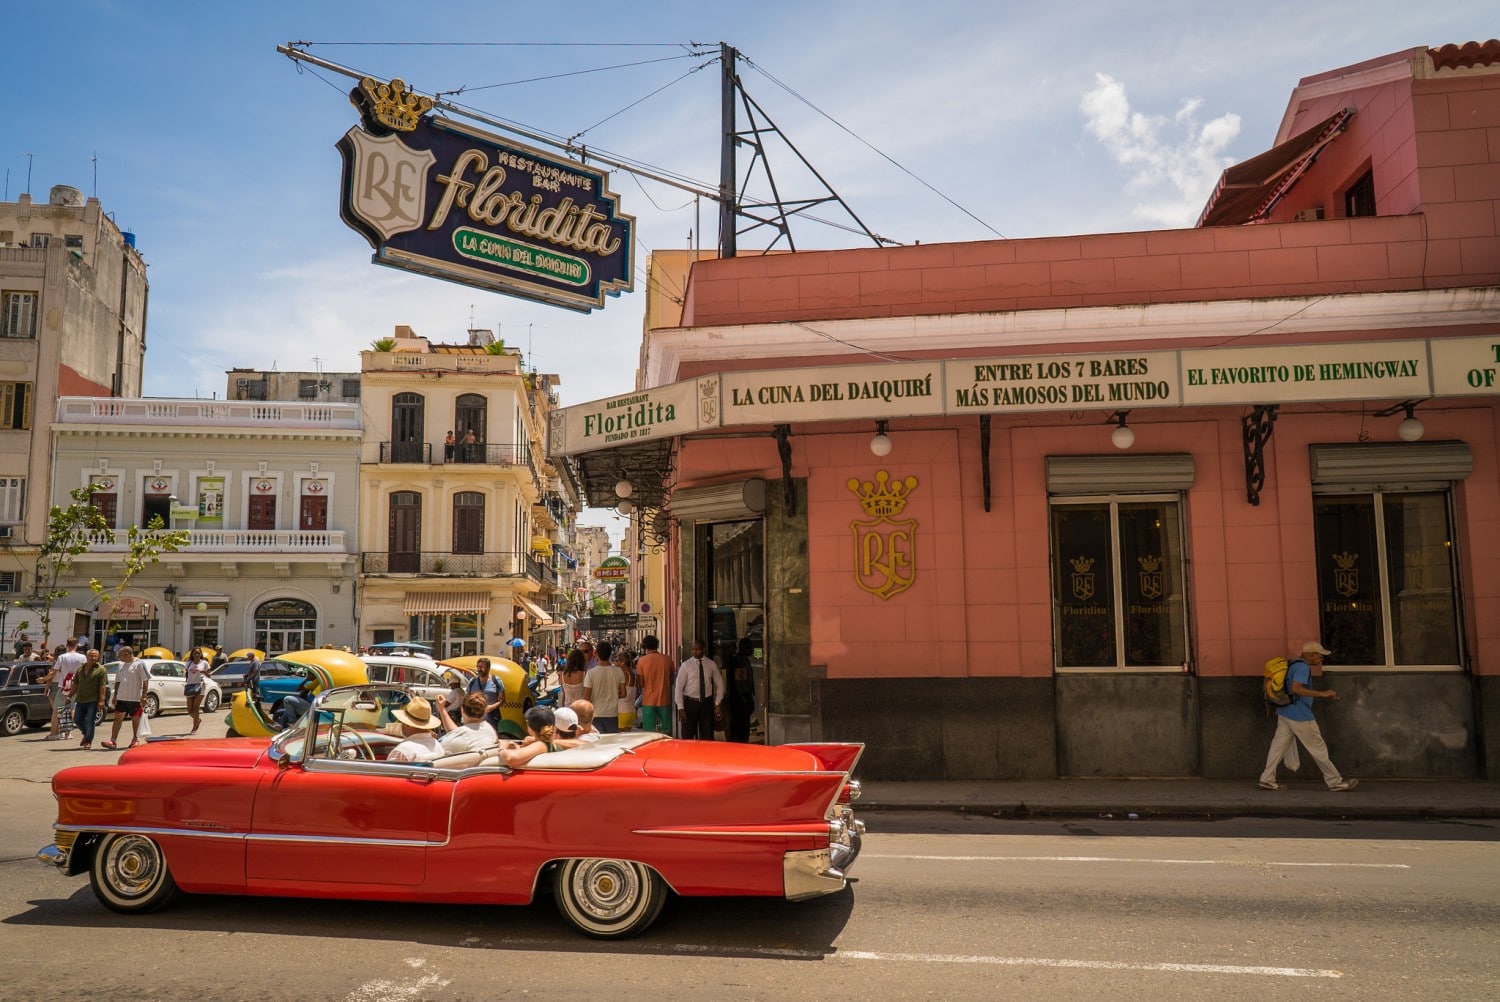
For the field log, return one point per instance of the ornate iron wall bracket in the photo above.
(1257, 426)
(783, 433)
(984, 455)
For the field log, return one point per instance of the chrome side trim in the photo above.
(760, 833)
(249, 836)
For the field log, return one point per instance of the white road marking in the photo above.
(1122, 859)
(1061, 962)
(1092, 965)
(382, 990)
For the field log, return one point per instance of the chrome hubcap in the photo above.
(606, 888)
(133, 865)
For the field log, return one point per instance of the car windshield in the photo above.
(347, 723)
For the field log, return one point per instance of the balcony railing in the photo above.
(539, 571)
(438, 563)
(239, 541)
(476, 455)
(218, 413)
(405, 452)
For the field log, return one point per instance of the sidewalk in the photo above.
(1186, 798)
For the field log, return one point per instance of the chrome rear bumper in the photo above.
(810, 873)
(52, 854)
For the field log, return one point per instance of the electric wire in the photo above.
(578, 135)
(870, 146)
(466, 89)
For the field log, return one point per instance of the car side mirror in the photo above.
(286, 762)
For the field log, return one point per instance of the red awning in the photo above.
(1248, 190)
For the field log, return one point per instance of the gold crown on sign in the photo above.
(1082, 565)
(392, 104)
(1346, 560)
(884, 497)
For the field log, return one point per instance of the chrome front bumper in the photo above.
(810, 873)
(55, 856)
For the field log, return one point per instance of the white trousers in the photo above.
(1305, 731)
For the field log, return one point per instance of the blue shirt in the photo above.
(1300, 708)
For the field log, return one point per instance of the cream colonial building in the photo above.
(267, 492)
(462, 546)
(72, 321)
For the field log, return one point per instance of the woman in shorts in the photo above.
(197, 671)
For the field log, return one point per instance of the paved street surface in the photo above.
(947, 906)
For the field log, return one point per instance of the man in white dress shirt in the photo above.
(700, 692)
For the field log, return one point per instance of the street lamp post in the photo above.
(170, 594)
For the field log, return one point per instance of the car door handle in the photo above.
(420, 778)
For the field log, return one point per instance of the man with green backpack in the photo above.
(1295, 721)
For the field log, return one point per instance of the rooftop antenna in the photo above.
(7, 186)
(95, 159)
(529, 360)
(29, 158)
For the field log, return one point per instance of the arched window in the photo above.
(468, 522)
(407, 412)
(471, 414)
(405, 547)
(285, 624)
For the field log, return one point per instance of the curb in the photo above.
(1344, 810)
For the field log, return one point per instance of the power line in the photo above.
(578, 135)
(870, 146)
(571, 73)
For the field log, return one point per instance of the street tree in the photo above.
(70, 530)
(143, 547)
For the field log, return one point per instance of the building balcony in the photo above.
(445, 563)
(426, 454)
(239, 414)
(422, 361)
(238, 541)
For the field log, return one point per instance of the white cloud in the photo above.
(1176, 161)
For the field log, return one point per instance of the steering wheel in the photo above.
(358, 749)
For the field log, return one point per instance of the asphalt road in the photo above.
(946, 907)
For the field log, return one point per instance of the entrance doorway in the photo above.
(732, 613)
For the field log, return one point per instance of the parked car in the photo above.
(278, 680)
(231, 678)
(428, 679)
(164, 692)
(611, 827)
(23, 697)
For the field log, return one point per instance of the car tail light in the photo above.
(850, 792)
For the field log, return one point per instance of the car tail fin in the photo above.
(834, 756)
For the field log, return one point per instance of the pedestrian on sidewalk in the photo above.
(59, 684)
(654, 669)
(131, 682)
(1295, 722)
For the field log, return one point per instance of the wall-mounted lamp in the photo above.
(881, 443)
(624, 488)
(170, 594)
(1410, 429)
(1123, 437)
(625, 507)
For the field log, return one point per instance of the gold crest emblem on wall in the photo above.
(884, 546)
(1083, 578)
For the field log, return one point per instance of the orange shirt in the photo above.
(655, 670)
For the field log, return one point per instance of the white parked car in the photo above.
(165, 689)
(424, 676)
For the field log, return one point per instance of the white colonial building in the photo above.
(268, 492)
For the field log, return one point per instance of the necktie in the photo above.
(701, 693)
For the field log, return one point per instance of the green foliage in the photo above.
(70, 531)
(495, 348)
(144, 547)
(384, 344)
(603, 605)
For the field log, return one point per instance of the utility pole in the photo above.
(728, 179)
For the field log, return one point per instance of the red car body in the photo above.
(612, 825)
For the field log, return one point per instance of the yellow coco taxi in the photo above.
(328, 668)
(518, 697)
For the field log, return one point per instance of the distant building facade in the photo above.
(461, 517)
(268, 384)
(268, 493)
(73, 297)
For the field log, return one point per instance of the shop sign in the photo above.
(885, 547)
(1063, 382)
(1305, 372)
(613, 569)
(778, 396)
(1465, 367)
(674, 409)
(440, 198)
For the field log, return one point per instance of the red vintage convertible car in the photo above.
(610, 827)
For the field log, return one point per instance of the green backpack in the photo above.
(1274, 685)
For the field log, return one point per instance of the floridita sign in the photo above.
(1190, 377)
(440, 198)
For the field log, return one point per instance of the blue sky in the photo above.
(1037, 118)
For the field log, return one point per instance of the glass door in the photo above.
(733, 621)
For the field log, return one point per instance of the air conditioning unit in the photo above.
(243, 384)
(6, 531)
(1308, 215)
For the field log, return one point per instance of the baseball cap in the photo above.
(566, 721)
(1313, 647)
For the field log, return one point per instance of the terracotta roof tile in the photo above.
(1467, 55)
